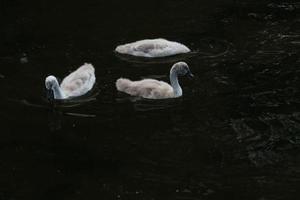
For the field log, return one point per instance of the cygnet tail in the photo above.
(123, 84)
(87, 67)
(123, 49)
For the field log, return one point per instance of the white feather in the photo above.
(154, 89)
(147, 88)
(75, 84)
(152, 48)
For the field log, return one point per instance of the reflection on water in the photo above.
(235, 133)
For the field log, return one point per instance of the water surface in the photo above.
(235, 134)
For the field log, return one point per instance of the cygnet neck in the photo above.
(175, 84)
(58, 93)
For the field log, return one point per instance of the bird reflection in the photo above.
(55, 119)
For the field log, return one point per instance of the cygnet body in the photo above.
(75, 84)
(155, 89)
(152, 48)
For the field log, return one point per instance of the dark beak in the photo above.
(190, 75)
(50, 95)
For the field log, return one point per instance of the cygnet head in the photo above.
(181, 69)
(50, 82)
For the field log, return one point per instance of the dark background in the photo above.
(235, 133)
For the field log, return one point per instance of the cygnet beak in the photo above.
(190, 75)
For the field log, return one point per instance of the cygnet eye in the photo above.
(185, 71)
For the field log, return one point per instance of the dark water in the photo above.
(235, 134)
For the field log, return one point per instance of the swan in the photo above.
(154, 89)
(75, 84)
(152, 48)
